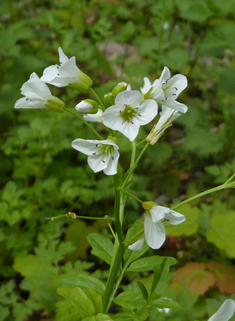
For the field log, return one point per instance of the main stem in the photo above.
(107, 299)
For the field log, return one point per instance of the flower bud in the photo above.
(108, 100)
(120, 87)
(87, 106)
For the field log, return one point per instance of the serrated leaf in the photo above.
(221, 232)
(101, 247)
(78, 299)
(195, 277)
(143, 290)
(83, 282)
(148, 263)
(130, 300)
(224, 276)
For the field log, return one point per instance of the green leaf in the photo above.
(79, 300)
(143, 290)
(102, 317)
(83, 282)
(130, 300)
(149, 263)
(101, 247)
(96, 299)
(221, 232)
(157, 274)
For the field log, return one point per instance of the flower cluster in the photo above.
(123, 111)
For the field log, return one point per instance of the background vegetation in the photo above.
(42, 176)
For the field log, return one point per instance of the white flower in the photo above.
(102, 154)
(128, 113)
(225, 312)
(67, 74)
(86, 106)
(97, 118)
(166, 117)
(154, 230)
(38, 96)
(165, 90)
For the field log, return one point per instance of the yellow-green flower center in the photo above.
(128, 113)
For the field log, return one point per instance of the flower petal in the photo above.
(62, 57)
(23, 103)
(111, 168)
(94, 117)
(225, 312)
(128, 97)
(171, 103)
(87, 147)
(97, 162)
(138, 245)
(176, 85)
(147, 111)
(174, 218)
(155, 233)
(158, 212)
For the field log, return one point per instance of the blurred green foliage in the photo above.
(41, 176)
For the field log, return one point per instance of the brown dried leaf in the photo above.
(195, 277)
(224, 276)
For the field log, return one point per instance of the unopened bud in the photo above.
(87, 106)
(119, 88)
(108, 100)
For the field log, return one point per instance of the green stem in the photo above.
(82, 217)
(97, 98)
(117, 260)
(124, 196)
(119, 281)
(209, 191)
(109, 293)
(230, 179)
(131, 169)
(84, 122)
(130, 194)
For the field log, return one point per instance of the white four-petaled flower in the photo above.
(166, 117)
(154, 230)
(102, 154)
(165, 90)
(38, 96)
(225, 312)
(129, 113)
(66, 74)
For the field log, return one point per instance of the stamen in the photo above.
(58, 74)
(93, 153)
(132, 122)
(165, 98)
(58, 67)
(103, 161)
(174, 95)
(139, 115)
(112, 158)
(27, 98)
(175, 88)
